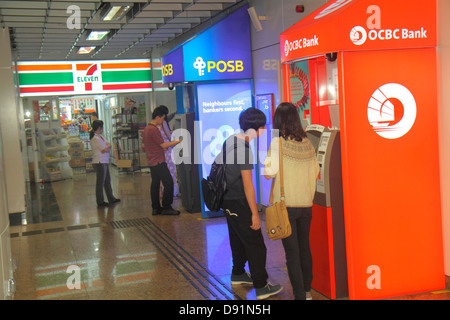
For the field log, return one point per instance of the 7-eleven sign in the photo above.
(87, 77)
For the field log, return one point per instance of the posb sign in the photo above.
(220, 66)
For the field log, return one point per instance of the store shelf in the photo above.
(57, 160)
(54, 155)
(57, 149)
(126, 140)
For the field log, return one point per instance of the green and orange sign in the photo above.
(87, 77)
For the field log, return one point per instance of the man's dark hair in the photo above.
(159, 112)
(252, 118)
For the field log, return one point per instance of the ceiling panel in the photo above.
(47, 30)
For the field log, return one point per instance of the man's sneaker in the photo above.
(267, 291)
(244, 278)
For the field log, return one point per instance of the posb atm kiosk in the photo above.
(327, 235)
(385, 52)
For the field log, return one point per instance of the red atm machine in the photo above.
(385, 87)
(327, 226)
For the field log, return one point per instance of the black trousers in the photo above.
(103, 182)
(159, 173)
(246, 244)
(298, 252)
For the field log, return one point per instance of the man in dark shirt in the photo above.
(239, 206)
(154, 147)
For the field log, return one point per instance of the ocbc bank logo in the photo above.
(220, 66)
(359, 35)
(392, 111)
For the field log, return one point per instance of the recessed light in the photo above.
(96, 35)
(85, 50)
(115, 11)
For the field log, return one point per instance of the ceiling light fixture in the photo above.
(85, 50)
(96, 35)
(114, 12)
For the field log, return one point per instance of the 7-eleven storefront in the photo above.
(62, 98)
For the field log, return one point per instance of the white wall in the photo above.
(444, 75)
(7, 98)
(280, 15)
(11, 130)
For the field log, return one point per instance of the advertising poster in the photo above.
(229, 52)
(219, 106)
(136, 105)
(299, 85)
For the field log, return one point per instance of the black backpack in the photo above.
(215, 185)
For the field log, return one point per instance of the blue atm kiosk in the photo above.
(218, 62)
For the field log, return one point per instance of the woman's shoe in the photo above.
(267, 291)
(103, 204)
(115, 201)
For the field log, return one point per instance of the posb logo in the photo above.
(220, 66)
(392, 111)
(167, 70)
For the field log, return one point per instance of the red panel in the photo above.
(127, 86)
(360, 25)
(321, 243)
(46, 89)
(318, 88)
(391, 185)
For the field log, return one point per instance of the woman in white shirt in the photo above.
(300, 171)
(100, 163)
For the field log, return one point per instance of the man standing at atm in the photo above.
(154, 147)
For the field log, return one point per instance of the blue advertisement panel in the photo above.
(222, 52)
(219, 106)
(172, 66)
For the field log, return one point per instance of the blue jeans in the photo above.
(103, 182)
(298, 252)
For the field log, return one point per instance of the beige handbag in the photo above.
(277, 218)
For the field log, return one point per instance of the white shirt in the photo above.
(98, 143)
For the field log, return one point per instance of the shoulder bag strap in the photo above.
(281, 172)
(280, 166)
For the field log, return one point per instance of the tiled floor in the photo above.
(124, 252)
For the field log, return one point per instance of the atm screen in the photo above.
(314, 137)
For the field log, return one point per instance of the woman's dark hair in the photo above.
(287, 120)
(252, 118)
(95, 125)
